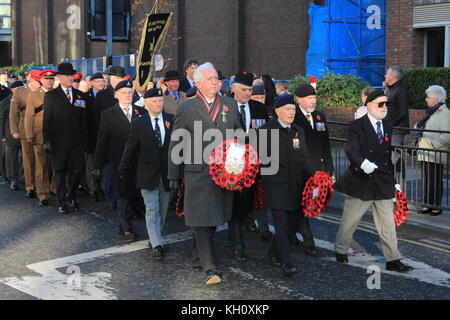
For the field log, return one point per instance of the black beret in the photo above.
(153, 92)
(283, 100)
(191, 92)
(245, 78)
(117, 71)
(373, 95)
(16, 84)
(123, 84)
(258, 89)
(97, 75)
(172, 75)
(305, 90)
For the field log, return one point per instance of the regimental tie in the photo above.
(379, 133)
(68, 95)
(244, 118)
(127, 113)
(158, 132)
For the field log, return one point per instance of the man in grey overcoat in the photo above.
(206, 205)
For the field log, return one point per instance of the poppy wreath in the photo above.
(313, 206)
(401, 208)
(230, 181)
(258, 197)
(179, 204)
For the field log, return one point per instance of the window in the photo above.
(121, 19)
(5, 20)
(435, 47)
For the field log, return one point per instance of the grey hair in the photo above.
(437, 92)
(396, 71)
(197, 73)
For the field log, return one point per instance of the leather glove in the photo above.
(48, 147)
(174, 185)
(368, 167)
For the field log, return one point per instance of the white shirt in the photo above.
(140, 102)
(191, 82)
(373, 121)
(65, 92)
(130, 110)
(283, 125)
(161, 125)
(248, 118)
(311, 121)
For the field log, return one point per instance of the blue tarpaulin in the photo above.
(348, 37)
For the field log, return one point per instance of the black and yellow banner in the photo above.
(153, 35)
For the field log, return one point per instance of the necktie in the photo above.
(68, 95)
(127, 114)
(158, 132)
(244, 118)
(175, 97)
(308, 117)
(379, 133)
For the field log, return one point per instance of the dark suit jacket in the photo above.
(112, 136)
(105, 99)
(318, 142)
(92, 120)
(185, 85)
(363, 144)
(152, 159)
(283, 190)
(64, 126)
(5, 131)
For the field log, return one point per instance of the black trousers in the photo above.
(432, 185)
(203, 247)
(242, 203)
(3, 160)
(280, 243)
(301, 224)
(73, 179)
(14, 167)
(127, 208)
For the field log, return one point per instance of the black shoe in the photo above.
(341, 258)
(74, 205)
(213, 278)
(129, 237)
(266, 236)
(435, 212)
(398, 266)
(311, 252)
(424, 211)
(63, 210)
(273, 260)
(30, 194)
(239, 255)
(294, 241)
(95, 196)
(120, 231)
(289, 269)
(157, 253)
(13, 186)
(196, 265)
(43, 202)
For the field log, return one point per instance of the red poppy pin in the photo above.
(318, 117)
(136, 111)
(78, 97)
(296, 135)
(225, 108)
(167, 124)
(386, 139)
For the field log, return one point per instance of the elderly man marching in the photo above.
(206, 205)
(34, 115)
(369, 182)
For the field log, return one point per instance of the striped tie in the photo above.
(379, 133)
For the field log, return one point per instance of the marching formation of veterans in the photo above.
(107, 136)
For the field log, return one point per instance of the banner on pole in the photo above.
(153, 34)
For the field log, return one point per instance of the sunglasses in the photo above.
(382, 104)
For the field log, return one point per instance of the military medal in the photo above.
(296, 143)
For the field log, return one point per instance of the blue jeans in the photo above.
(156, 203)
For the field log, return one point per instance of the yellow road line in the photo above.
(437, 243)
(399, 239)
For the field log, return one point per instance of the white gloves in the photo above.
(368, 167)
(397, 187)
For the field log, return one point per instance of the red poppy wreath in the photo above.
(312, 206)
(234, 166)
(401, 207)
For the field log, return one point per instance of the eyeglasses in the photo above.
(382, 104)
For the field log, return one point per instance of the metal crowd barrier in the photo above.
(425, 183)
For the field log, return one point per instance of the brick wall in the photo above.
(404, 45)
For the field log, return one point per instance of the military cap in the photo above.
(172, 75)
(123, 84)
(35, 74)
(305, 90)
(117, 71)
(97, 75)
(153, 92)
(245, 78)
(77, 77)
(48, 74)
(283, 100)
(374, 95)
(66, 68)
